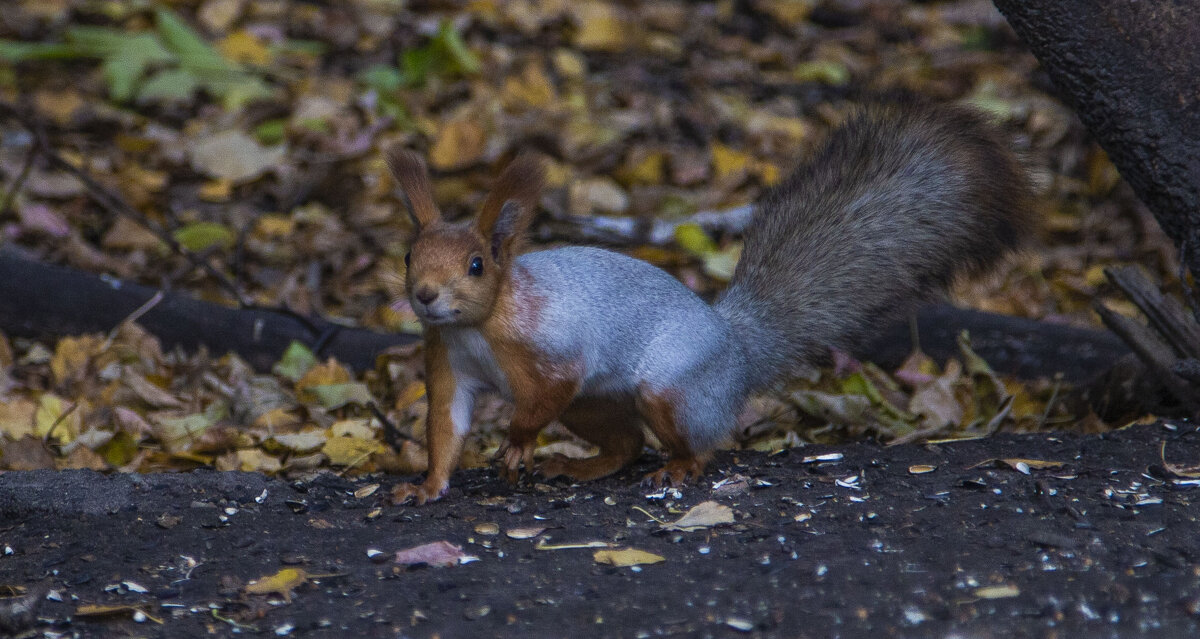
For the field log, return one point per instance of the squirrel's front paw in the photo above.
(511, 455)
(419, 495)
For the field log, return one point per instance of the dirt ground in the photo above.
(930, 540)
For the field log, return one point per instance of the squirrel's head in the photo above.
(455, 270)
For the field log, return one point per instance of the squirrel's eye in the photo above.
(407, 256)
(476, 267)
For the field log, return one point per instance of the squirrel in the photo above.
(899, 202)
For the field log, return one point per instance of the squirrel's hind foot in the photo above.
(676, 472)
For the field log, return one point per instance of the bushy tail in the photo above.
(900, 201)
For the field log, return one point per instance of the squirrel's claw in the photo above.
(511, 456)
(674, 473)
(418, 495)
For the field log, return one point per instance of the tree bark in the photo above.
(1130, 71)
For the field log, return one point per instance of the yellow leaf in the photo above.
(281, 583)
(648, 169)
(569, 64)
(217, 190)
(601, 27)
(532, 88)
(410, 395)
(243, 46)
(255, 460)
(729, 162)
(51, 417)
(351, 451)
(459, 143)
(768, 172)
(627, 557)
(274, 226)
(71, 357)
(360, 428)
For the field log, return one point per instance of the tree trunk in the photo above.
(1131, 70)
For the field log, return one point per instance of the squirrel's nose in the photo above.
(426, 294)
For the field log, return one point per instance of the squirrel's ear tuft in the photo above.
(510, 207)
(409, 170)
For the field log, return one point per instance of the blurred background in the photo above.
(247, 134)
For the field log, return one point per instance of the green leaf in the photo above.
(16, 51)
(382, 78)
(170, 85)
(691, 238)
(125, 58)
(337, 395)
(460, 57)
(239, 90)
(823, 71)
(194, 53)
(296, 361)
(199, 236)
(417, 65)
(271, 132)
(218, 75)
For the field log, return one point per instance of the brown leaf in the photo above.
(438, 554)
(27, 453)
(459, 143)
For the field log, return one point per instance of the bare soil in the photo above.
(872, 544)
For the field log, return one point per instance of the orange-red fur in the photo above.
(443, 443)
(659, 409)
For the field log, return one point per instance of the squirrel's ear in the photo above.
(410, 173)
(510, 207)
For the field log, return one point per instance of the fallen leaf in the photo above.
(281, 583)
(525, 533)
(627, 557)
(997, 592)
(26, 453)
(243, 46)
(147, 391)
(234, 156)
(1020, 464)
(936, 401)
(308, 441)
(351, 451)
(703, 515)
(333, 396)
(439, 554)
(459, 143)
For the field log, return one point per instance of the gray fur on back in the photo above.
(900, 201)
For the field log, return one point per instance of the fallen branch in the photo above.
(46, 302)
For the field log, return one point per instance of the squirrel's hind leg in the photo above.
(662, 411)
(610, 424)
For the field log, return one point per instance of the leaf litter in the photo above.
(251, 134)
